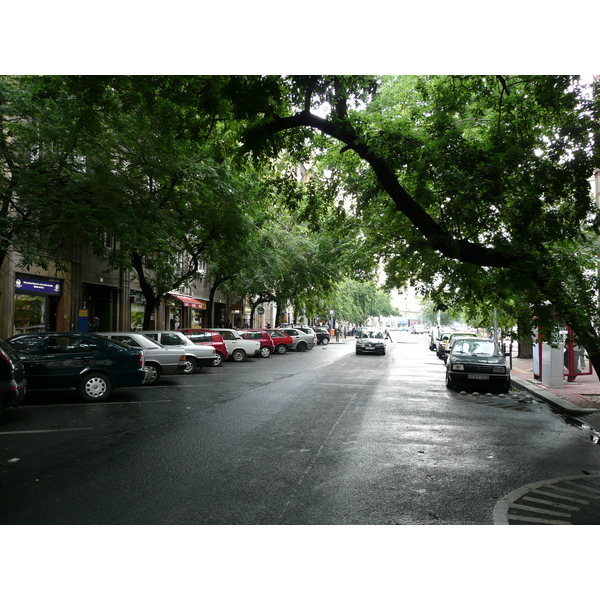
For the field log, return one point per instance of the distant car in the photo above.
(12, 377)
(85, 362)
(477, 364)
(323, 335)
(206, 337)
(301, 341)
(371, 340)
(195, 355)
(283, 342)
(237, 346)
(267, 346)
(160, 360)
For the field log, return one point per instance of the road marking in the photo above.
(45, 430)
(91, 404)
(514, 507)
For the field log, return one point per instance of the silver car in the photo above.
(302, 341)
(195, 355)
(160, 360)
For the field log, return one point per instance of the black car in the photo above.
(12, 377)
(323, 335)
(477, 364)
(85, 362)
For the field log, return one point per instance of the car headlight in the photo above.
(499, 369)
(458, 367)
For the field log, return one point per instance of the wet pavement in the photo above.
(579, 400)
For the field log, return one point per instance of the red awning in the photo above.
(191, 302)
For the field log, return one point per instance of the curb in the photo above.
(560, 403)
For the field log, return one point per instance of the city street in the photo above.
(321, 437)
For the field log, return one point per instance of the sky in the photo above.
(270, 37)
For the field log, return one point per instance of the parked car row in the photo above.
(95, 364)
(472, 363)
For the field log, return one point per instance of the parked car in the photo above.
(237, 346)
(206, 337)
(195, 355)
(267, 346)
(478, 364)
(85, 362)
(160, 360)
(323, 335)
(301, 341)
(371, 340)
(12, 377)
(440, 346)
(451, 339)
(283, 342)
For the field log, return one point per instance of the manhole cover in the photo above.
(563, 501)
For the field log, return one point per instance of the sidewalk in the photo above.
(580, 398)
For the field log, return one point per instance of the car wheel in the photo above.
(505, 388)
(383, 353)
(95, 386)
(301, 347)
(190, 365)
(449, 383)
(325, 341)
(153, 375)
(265, 352)
(281, 349)
(238, 355)
(358, 351)
(218, 360)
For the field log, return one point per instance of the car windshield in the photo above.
(475, 347)
(372, 334)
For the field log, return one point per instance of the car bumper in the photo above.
(12, 392)
(479, 380)
(375, 348)
(130, 379)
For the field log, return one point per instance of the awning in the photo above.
(191, 302)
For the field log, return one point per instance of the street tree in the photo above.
(471, 187)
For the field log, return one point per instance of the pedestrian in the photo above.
(388, 336)
(94, 325)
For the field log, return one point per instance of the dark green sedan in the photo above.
(87, 363)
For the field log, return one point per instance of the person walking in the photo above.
(94, 325)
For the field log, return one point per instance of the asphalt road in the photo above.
(322, 437)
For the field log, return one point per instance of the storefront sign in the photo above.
(27, 285)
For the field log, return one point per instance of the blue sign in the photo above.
(28, 285)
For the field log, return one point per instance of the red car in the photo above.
(211, 338)
(283, 342)
(266, 343)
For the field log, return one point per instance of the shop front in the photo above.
(185, 311)
(36, 303)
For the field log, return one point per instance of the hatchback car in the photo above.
(478, 364)
(160, 360)
(267, 346)
(301, 341)
(323, 335)
(12, 377)
(371, 341)
(283, 342)
(195, 355)
(85, 362)
(206, 337)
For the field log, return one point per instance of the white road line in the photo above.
(45, 430)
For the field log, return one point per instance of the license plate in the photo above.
(477, 376)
